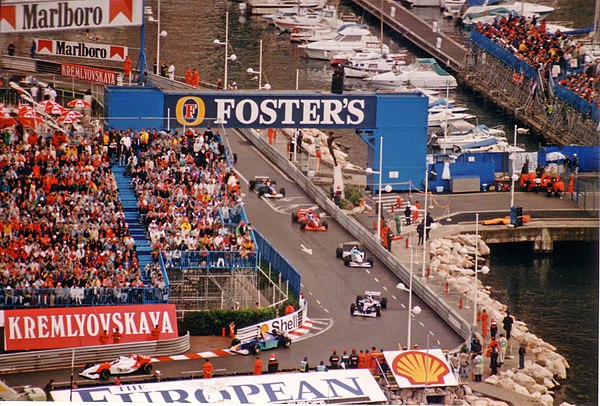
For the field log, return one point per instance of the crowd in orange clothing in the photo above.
(530, 42)
(61, 222)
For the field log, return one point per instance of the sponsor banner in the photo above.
(336, 387)
(35, 329)
(286, 324)
(248, 110)
(419, 368)
(90, 74)
(81, 49)
(41, 15)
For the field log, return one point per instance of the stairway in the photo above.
(137, 230)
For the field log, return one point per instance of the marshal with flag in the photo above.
(32, 16)
(81, 50)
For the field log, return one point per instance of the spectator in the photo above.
(32, 49)
(11, 48)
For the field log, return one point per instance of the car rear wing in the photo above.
(372, 293)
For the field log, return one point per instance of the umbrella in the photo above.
(79, 104)
(554, 156)
(73, 114)
(28, 114)
(67, 120)
(24, 109)
(30, 121)
(54, 109)
(45, 103)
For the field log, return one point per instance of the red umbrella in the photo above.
(46, 103)
(54, 109)
(4, 112)
(28, 114)
(30, 121)
(74, 114)
(67, 120)
(79, 104)
(24, 109)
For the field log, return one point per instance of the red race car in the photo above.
(309, 220)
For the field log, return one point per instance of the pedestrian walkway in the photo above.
(137, 230)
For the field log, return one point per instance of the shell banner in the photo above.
(420, 368)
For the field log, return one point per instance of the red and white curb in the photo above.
(295, 334)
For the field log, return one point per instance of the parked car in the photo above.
(264, 186)
(370, 304)
(125, 364)
(309, 220)
(262, 341)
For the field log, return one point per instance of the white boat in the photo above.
(442, 104)
(424, 72)
(321, 34)
(271, 6)
(443, 117)
(455, 140)
(422, 3)
(362, 68)
(320, 19)
(485, 13)
(452, 8)
(349, 39)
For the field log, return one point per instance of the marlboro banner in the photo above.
(81, 50)
(36, 329)
(31, 15)
(90, 74)
(420, 368)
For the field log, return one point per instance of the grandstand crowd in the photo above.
(556, 54)
(64, 239)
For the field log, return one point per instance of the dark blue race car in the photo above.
(265, 187)
(263, 341)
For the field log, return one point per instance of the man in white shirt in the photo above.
(172, 71)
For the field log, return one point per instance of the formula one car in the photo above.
(309, 220)
(266, 187)
(369, 305)
(353, 255)
(263, 341)
(125, 364)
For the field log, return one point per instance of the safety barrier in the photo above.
(51, 359)
(279, 263)
(446, 312)
(286, 323)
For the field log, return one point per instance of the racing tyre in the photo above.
(147, 368)
(359, 298)
(325, 225)
(286, 342)
(339, 252)
(384, 302)
(347, 261)
(282, 191)
(378, 312)
(235, 342)
(370, 261)
(352, 309)
(303, 225)
(251, 185)
(104, 374)
(261, 193)
(256, 349)
(294, 218)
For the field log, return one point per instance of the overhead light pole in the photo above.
(260, 70)
(226, 43)
(484, 269)
(159, 34)
(416, 310)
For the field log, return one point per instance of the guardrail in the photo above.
(295, 320)
(458, 324)
(52, 359)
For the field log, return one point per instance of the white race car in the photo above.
(353, 255)
(125, 364)
(369, 305)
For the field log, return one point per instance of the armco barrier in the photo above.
(461, 326)
(51, 359)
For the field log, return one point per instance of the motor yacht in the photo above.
(349, 39)
(424, 73)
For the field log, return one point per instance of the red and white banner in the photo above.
(90, 74)
(81, 49)
(31, 15)
(419, 368)
(35, 329)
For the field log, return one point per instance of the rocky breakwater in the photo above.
(452, 259)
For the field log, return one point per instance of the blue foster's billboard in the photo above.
(279, 110)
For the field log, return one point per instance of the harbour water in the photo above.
(557, 296)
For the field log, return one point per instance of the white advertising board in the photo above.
(32, 16)
(420, 368)
(336, 387)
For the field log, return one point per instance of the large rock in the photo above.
(547, 399)
(537, 372)
(538, 388)
(524, 380)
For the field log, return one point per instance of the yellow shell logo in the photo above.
(264, 328)
(420, 368)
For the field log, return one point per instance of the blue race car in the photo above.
(263, 341)
(265, 187)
